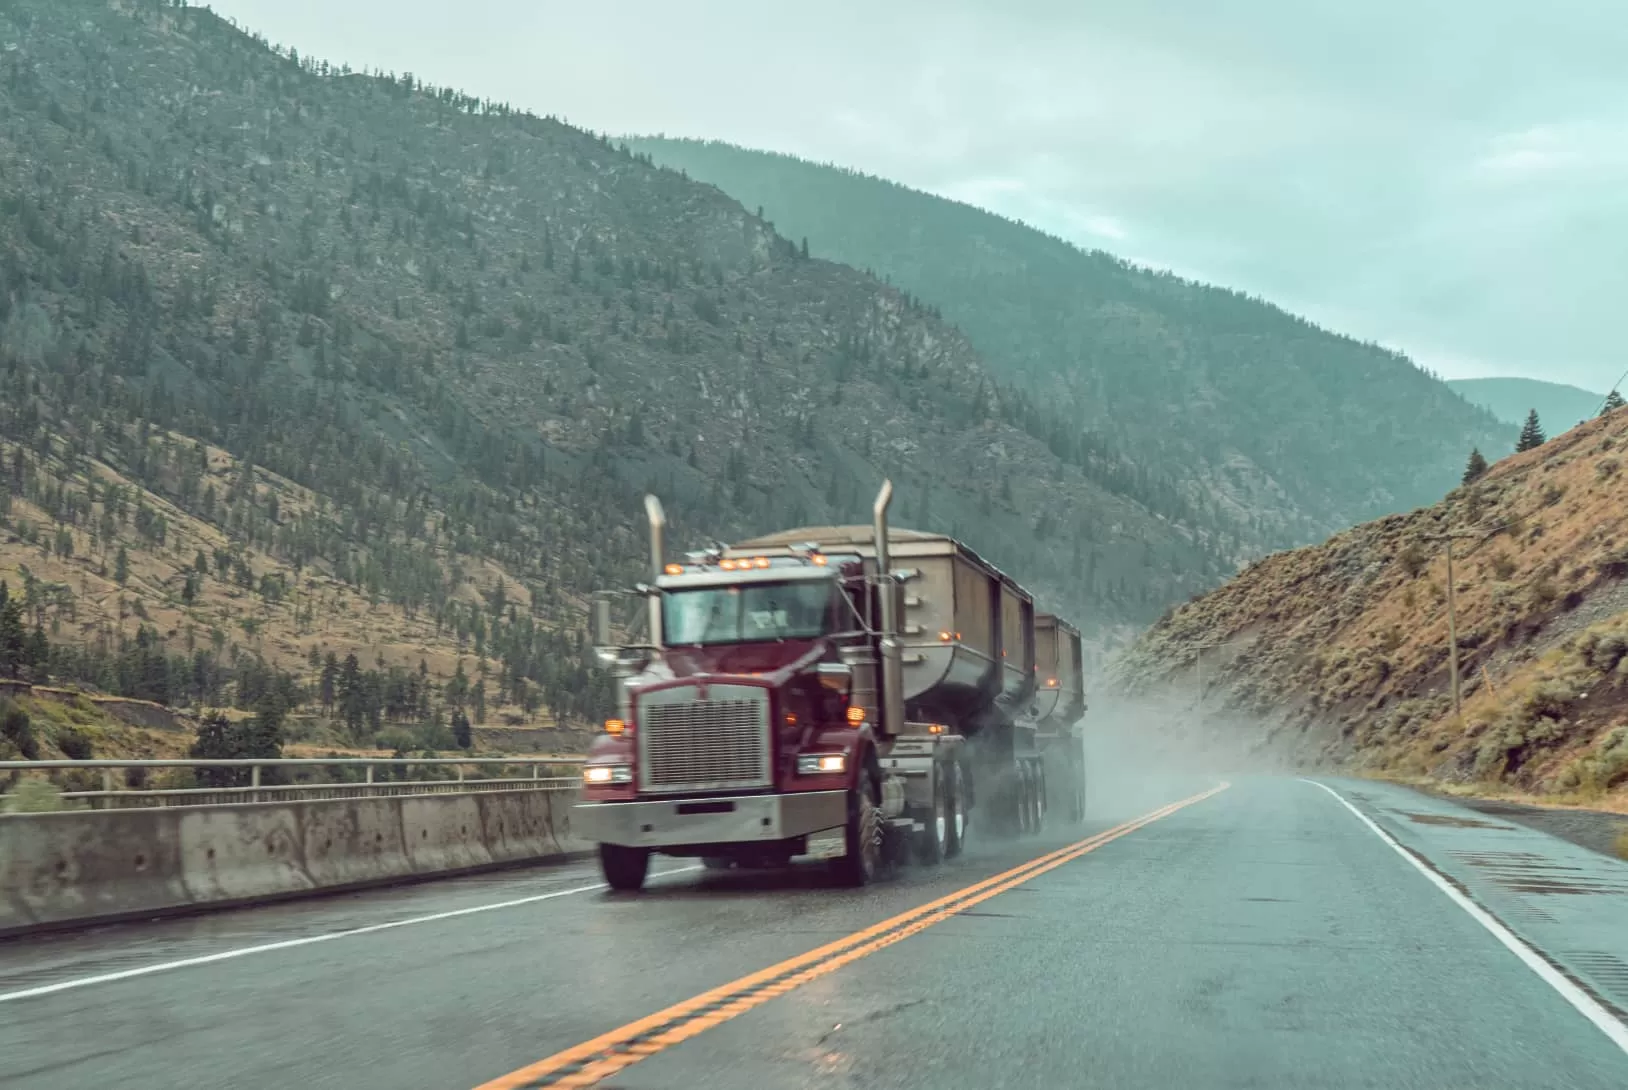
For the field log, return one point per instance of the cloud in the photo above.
(1444, 178)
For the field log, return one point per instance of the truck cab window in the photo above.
(745, 613)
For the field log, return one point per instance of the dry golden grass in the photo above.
(1353, 633)
(341, 619)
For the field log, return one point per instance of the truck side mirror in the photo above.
(835, 677)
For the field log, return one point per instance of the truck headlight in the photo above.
(814, 764)
(603, 774)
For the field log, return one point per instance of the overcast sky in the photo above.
(1449, 178)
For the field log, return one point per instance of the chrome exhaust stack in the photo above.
(889, 592)
(658, 561)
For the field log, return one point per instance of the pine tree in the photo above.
(121, 567)
(1475, 468)
(461, 733)
(352, 698)
(1613, 402)
(13, 636)
(1532, 435)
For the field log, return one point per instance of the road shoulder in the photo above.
(1566, 901)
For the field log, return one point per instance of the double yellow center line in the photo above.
(588, 1063)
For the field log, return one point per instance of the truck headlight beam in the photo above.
(816, 764)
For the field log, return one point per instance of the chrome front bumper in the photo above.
(743, 819)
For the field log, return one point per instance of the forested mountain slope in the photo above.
(345, 363)
(1263, 420)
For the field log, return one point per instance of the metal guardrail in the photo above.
(112, 796)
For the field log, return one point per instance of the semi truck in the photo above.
(855, 694)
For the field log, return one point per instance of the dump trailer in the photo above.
(852, 693)
(1057, 711)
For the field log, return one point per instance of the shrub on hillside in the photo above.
(395, 739)
(1603, 652)
(1503, 566)
(1598, 772)
(1533, 722)
(1413, 559)
(17, 729)
(75, 745)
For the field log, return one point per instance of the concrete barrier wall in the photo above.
(87, 866)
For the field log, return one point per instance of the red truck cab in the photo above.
(738, 735)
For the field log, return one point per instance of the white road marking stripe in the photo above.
(308, 940)
(1586, 1005)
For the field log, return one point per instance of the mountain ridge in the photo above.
(1559, 405)
(1183, 378)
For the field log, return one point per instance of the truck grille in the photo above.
(690, 744)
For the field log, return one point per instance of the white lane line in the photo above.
(1586, 1005)
(308, 940)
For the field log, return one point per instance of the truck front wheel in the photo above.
(624, 868)
(862, 839)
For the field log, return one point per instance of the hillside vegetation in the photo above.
(1341, 650)
(1273, 432)
(334, 390)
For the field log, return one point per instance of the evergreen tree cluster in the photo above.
(1532, 435)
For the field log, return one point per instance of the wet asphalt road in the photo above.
(1264, 937)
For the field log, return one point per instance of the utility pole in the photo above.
(1198, 663)
(1452, 636)
(1452, 613)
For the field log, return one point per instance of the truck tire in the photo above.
(862, 839)
(1040, 798)
(1023, 789)
(956, 786)
(932, 843)
(1076, 794)
(624, 868)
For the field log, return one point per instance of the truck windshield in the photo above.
(741, 614)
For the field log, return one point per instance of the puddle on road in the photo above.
(1455, 822)
(1524, 872)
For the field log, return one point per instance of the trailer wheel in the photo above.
(1040, 799)
(1021, 799)
(862, 839)
(932, 843)
(955, 786)
(624, 868)
(1076, 793)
